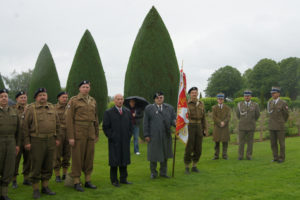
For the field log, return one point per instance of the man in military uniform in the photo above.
(9, 142)
(41, 132)
(221, 118)
(83, 131)
(248, 113)
(278, 115)
(63, 151)
(159, 117)
(197, 128)
(21, 98)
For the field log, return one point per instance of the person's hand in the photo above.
(222, 124)
(17, 150)
(96, 139)
(28, 147)
(147, 139)
(72, 142)
(57, 142)
(205, 133)
(133, 114)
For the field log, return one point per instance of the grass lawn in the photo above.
(220, 179)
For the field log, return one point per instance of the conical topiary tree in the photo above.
(152, 64)
(44, 75)
(87, 66)
(2, 86)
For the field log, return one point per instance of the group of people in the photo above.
(48, 136)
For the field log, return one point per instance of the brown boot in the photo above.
(36, 191)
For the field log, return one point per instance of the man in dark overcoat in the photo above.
(158, 119)
(117, 127)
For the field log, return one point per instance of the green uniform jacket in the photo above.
(278, 114)
(248, 115)
(221, 134)
(10, 124)
(196, 114)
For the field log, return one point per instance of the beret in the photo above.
(39, 91)
(157, 94)
(191, 89)
(83, 82)
(4, 91)
(20, 93)
(61, 93)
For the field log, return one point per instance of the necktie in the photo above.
(120, 110)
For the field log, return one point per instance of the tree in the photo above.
(87, 66)
(44, 75)
(290, 77)
(2, 86)
(264, 75)
(227, 80)
(18, 82)
(153, 64)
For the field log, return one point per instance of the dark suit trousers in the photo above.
(114, 174)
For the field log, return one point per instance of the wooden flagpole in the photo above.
(175, 139)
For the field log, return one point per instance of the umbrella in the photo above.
(140, 102)
(11, 102)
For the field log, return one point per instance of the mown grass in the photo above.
(221, 179)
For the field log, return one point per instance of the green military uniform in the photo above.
(9, 138)
(278, 115)
(64, 149)
(221, 134)
(197, 126)
(83, 126)
(26, 154)
(41, 129)
(248, 113)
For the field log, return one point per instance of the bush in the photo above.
(295, 104)
(209, 102)
(110, 104)
(239, 99)
(44, 76)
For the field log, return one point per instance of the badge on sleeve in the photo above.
(68, 106)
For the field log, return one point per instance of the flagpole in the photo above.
(175, 139)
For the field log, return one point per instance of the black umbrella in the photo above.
(140, 102)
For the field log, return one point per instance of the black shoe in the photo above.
(58, 179)
(187, 170)
(165, 176)
(63, 177)
(274, 160)
(90, 185)
(240, 158)
(125, 182)
(194, 169)
(152, 176)
(116, 184)
(27, 182)
(78, 187)
(280, 161)
(225, 158)
(5, 198)
(248, 158)
(46, 190)
(36, 194)
(14, 185)
(215, 158)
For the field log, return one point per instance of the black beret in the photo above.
(193, 88)
(157, 94)
(83, 82)
(4, 91)
(61, 93)
(20, 93)
(39, 91)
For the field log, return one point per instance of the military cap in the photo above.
(4, 91)
(20, 93)
(61, 93)
(247, 93)
(157, 94)
(275, 89)
(39, 91)
(83, 82)
(220, 96)
(191, 89)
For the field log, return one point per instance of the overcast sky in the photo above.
(206, 35)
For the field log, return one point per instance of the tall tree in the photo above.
(2, 86)
(264, 75)
(44, 75)
(87, 66)
(290, 77)
(226, 79)
(153, 64)
(18, 82)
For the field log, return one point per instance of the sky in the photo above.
(206, 35)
